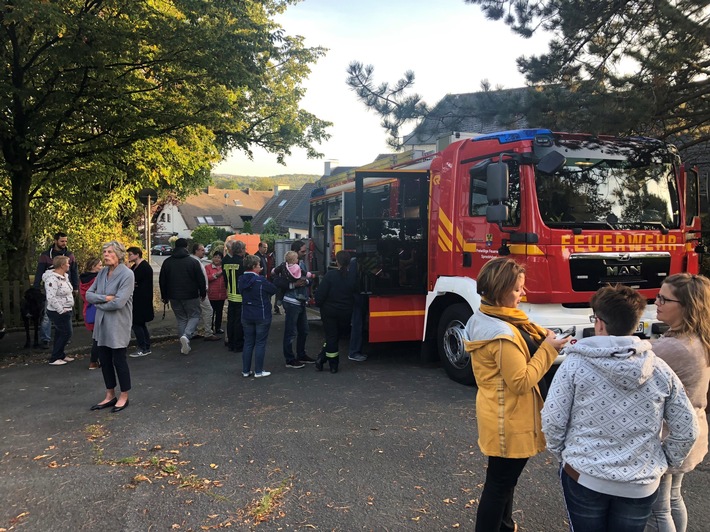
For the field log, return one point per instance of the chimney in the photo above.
(328, 167)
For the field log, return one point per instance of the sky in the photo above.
(450, 46)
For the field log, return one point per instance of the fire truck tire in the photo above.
(450, 341)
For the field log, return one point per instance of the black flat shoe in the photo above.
(119, 408)
(101, 406)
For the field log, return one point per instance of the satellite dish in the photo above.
(226, 195)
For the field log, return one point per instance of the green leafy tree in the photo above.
(105, 97)
(627, 67)
(271, 233)
(247, 227)
(204, 234)
(222, 234)
(636, 67)
(271, 228)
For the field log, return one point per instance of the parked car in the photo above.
(161, 249)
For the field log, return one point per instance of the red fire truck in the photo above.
(578, 211)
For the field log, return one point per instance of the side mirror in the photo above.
(497, 176)
(497, 214)
(551, 163)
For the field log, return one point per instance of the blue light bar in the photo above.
(513, 135)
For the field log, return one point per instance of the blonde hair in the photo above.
(59, 261)
(693, 293)
(291, 257)
(497, 279)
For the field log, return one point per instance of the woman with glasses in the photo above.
(510, 356)
(683, 303)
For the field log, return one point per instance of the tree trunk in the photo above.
(21, 229)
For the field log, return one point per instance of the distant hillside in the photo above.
(292, 181)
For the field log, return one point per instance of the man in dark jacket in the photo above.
(182, 282)
(262, 254)
(46, 259)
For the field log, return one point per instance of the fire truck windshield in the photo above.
(610, 185)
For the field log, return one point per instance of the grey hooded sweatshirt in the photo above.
(604, 412)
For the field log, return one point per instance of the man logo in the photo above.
(623, 271)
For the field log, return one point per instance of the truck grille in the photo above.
(590, 271)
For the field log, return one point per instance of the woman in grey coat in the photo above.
(112, 293)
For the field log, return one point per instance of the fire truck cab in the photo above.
(578, 211)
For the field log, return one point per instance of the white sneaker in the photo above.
(138, 354)
(68, 359)
(184, 345)
(58, 362)
(247, 374)
(262, 374)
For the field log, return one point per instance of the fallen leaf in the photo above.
(40, 457)
(214, 466)
(53, 465)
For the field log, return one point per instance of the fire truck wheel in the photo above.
(450, 340)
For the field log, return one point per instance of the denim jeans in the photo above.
(45, 328)
(187, 315)
(591, 511)
(62, 333)
(495, 510)
(255, 334)
(669, 513)
(296, 327)
(142, 336)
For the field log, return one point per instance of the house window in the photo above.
(162, 217)
(168, 218)
(201, 220)
(282, 202)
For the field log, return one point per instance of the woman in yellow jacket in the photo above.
(510, 356)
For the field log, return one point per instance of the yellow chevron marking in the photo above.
(444, 220)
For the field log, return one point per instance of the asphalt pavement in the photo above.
(387, 444)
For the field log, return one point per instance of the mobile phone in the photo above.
(566, 333)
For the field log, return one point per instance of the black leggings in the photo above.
(115, 359)
(495, 510)
(218, 309)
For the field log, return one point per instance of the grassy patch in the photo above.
(264, 508)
